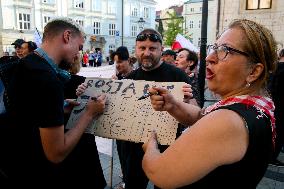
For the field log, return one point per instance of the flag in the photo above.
(176, 45)
(37, 38)
(182, 42)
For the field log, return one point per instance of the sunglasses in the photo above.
(152, 37)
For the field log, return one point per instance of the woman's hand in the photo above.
(81, 89)
(187, 92)
(162, 100)
(114, 77)
(152, 143)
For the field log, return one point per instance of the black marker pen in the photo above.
(146, 95)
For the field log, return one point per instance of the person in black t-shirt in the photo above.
(40, 143)
(148, 53)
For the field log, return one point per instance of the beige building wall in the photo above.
(164, 15)
(192, 13)
(271, 18)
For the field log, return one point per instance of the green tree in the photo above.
(174, 26)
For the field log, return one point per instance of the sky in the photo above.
(163, 4)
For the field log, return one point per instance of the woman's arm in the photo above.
(185, 113)
(217, 139)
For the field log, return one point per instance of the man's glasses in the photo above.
(152, 37)
(222, 51)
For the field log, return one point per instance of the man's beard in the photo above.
(150, 63)
(64, 65)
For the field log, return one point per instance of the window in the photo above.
(190, 24)
(79, 4)
(191, 9)
(24, 21)
(111, 29)
(199, 42)
(97, 28)
(97, 5)
(80, 22)
(46, 19)
(199, 24)
(134, 12)
(258, 4)
(111, 47)
(146, 12)
(134, 30)
(200, 9)
(111, 8)
(48, 1)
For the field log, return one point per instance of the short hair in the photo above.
(121, 52)
(60, 24)
(31, 46)
(152, 31)
(260, 45)
(192, 56)
(169, 52)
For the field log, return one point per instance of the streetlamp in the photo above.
(141, 23)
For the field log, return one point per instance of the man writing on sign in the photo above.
(37, 97)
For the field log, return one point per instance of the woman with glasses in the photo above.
(230, 143)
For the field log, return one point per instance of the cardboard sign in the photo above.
(125, 117)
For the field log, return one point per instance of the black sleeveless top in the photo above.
(248, 172)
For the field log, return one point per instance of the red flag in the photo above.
(176, 45)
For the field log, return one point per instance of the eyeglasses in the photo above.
(223, 50)
(152, 37)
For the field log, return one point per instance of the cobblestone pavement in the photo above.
(273, 179)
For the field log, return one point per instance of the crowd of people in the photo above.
(226, 145)
(92, 58)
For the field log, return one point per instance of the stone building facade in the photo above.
(270, 13)
(107, 23)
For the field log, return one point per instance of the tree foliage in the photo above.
(174, 26)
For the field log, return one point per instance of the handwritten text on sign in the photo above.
(125, 117)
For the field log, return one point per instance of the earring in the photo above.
(247, 85)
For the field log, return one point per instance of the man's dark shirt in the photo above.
(132, 170)
(36, 96)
